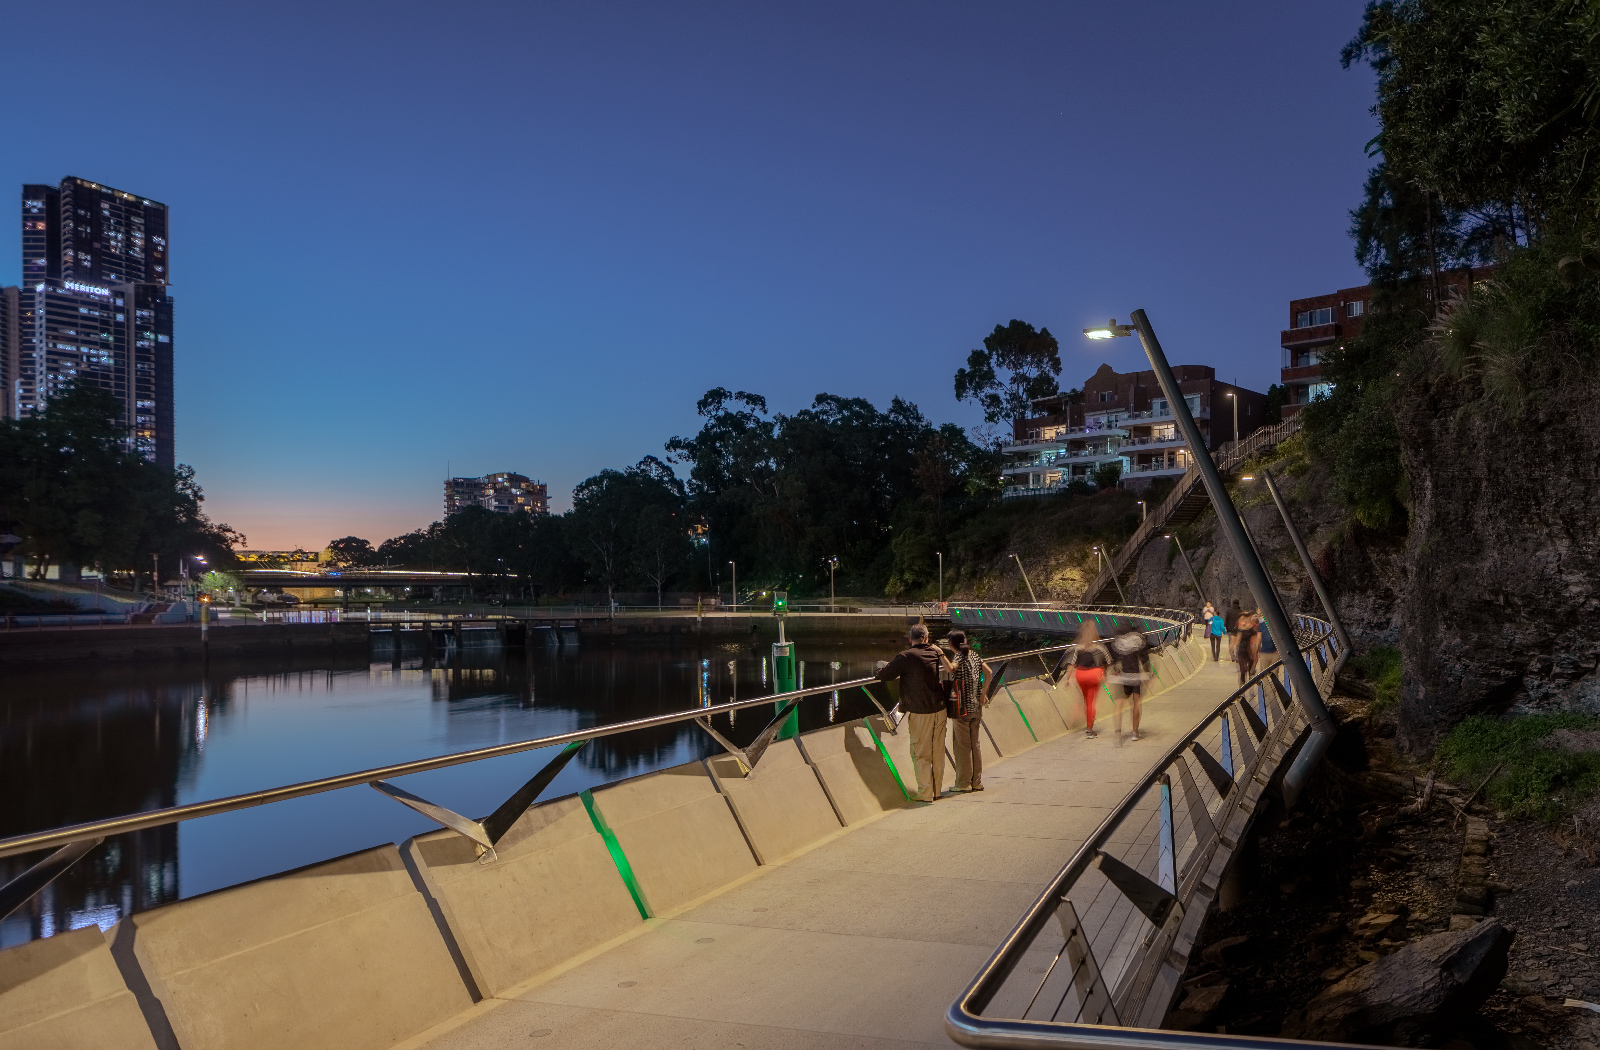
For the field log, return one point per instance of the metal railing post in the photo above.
(1305, 559)
(1266, 596)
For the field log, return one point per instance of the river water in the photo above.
(82, 744)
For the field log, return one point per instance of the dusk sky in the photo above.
(408, 238)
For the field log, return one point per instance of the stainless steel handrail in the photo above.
(964, 1020)
(39, 840)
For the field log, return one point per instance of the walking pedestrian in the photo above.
(922, 697)
(1231, 622)
(1131, 652)
(1245, 650)
(1089, 661)
(1216, 629)
(968, 673)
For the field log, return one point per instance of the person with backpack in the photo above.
(1130, 653)
(968, 673)
(1231, 622)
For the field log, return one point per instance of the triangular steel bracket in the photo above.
(1284, 699)
(887, 712)
(727, 745)
(1155, 902)
(22, 889)
(999, 677)
(1257, 726)
(1060, 669)
(1218, 776)
(486, 833)
(747, 757)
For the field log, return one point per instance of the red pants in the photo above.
(1089, 681)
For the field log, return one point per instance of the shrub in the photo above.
(1534, 779)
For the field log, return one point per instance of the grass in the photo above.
(1535, 779)
(1380, 665)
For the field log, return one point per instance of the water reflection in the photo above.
(83, 744)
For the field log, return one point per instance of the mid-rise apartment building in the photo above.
(92, 307)
(503, 493)
(1123, 418)
(1322, 323)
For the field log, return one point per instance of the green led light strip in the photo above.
(619, 858)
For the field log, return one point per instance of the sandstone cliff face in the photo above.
(1363, 572)
(1502, 607)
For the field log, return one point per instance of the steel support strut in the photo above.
(1305, 559)
(1305, 687)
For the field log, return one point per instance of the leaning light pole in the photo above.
(1173, 536)
(1305, 559)
(1024, 572)
(1305, 686)
(1105, 560)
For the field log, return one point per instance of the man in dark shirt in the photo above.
(922, 698)
(1231, 622)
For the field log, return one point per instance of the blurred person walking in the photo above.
(1131, 652)
(1089, 662)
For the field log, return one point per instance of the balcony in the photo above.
(1317, 333)
(1302, 373)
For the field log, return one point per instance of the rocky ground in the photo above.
(1363, 869)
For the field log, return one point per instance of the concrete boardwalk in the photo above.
(862, 941)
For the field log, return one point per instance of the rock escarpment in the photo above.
(1502, 605)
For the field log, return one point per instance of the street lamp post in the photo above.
(735, 583)
(1235, 419)
(1144, 512)
(833, 563)
(1105, 560)
(1266, 596)
(941, 576)
(1305, 560)
(1024, 572)
(1189, 565)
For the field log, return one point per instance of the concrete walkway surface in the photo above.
(862, 941)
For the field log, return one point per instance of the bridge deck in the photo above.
(864, 940)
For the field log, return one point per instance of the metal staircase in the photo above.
(1183, 504)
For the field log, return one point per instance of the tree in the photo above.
(607, 512)
(1106, 475)
(353, 551)
(659, 544)
(77, 494)
(1016, 366)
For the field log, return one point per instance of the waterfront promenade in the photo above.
(862, 940)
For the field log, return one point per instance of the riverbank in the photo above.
(144, 643)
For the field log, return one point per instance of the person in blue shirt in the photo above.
(1219, 628)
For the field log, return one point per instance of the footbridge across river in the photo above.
(784, 894)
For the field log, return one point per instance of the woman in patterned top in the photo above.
(968, 672)
(1089, 662)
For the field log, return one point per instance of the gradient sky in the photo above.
(408, 238)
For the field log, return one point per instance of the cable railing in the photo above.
(1097, 960)
(71, 843)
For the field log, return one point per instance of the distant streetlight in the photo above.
(1144, 512)
(833, 563)
(1230, 397)
(1190, 565)
(941, 575)
(735, 584)
(1105, 560)
(1024, 572)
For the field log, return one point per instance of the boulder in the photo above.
(1197, 1007)
(1415, 997)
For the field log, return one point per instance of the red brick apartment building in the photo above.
(1326, 322)
(1122, 417)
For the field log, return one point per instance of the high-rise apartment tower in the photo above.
(92, 307)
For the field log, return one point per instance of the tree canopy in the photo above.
(74, 491)
(1016, 365)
